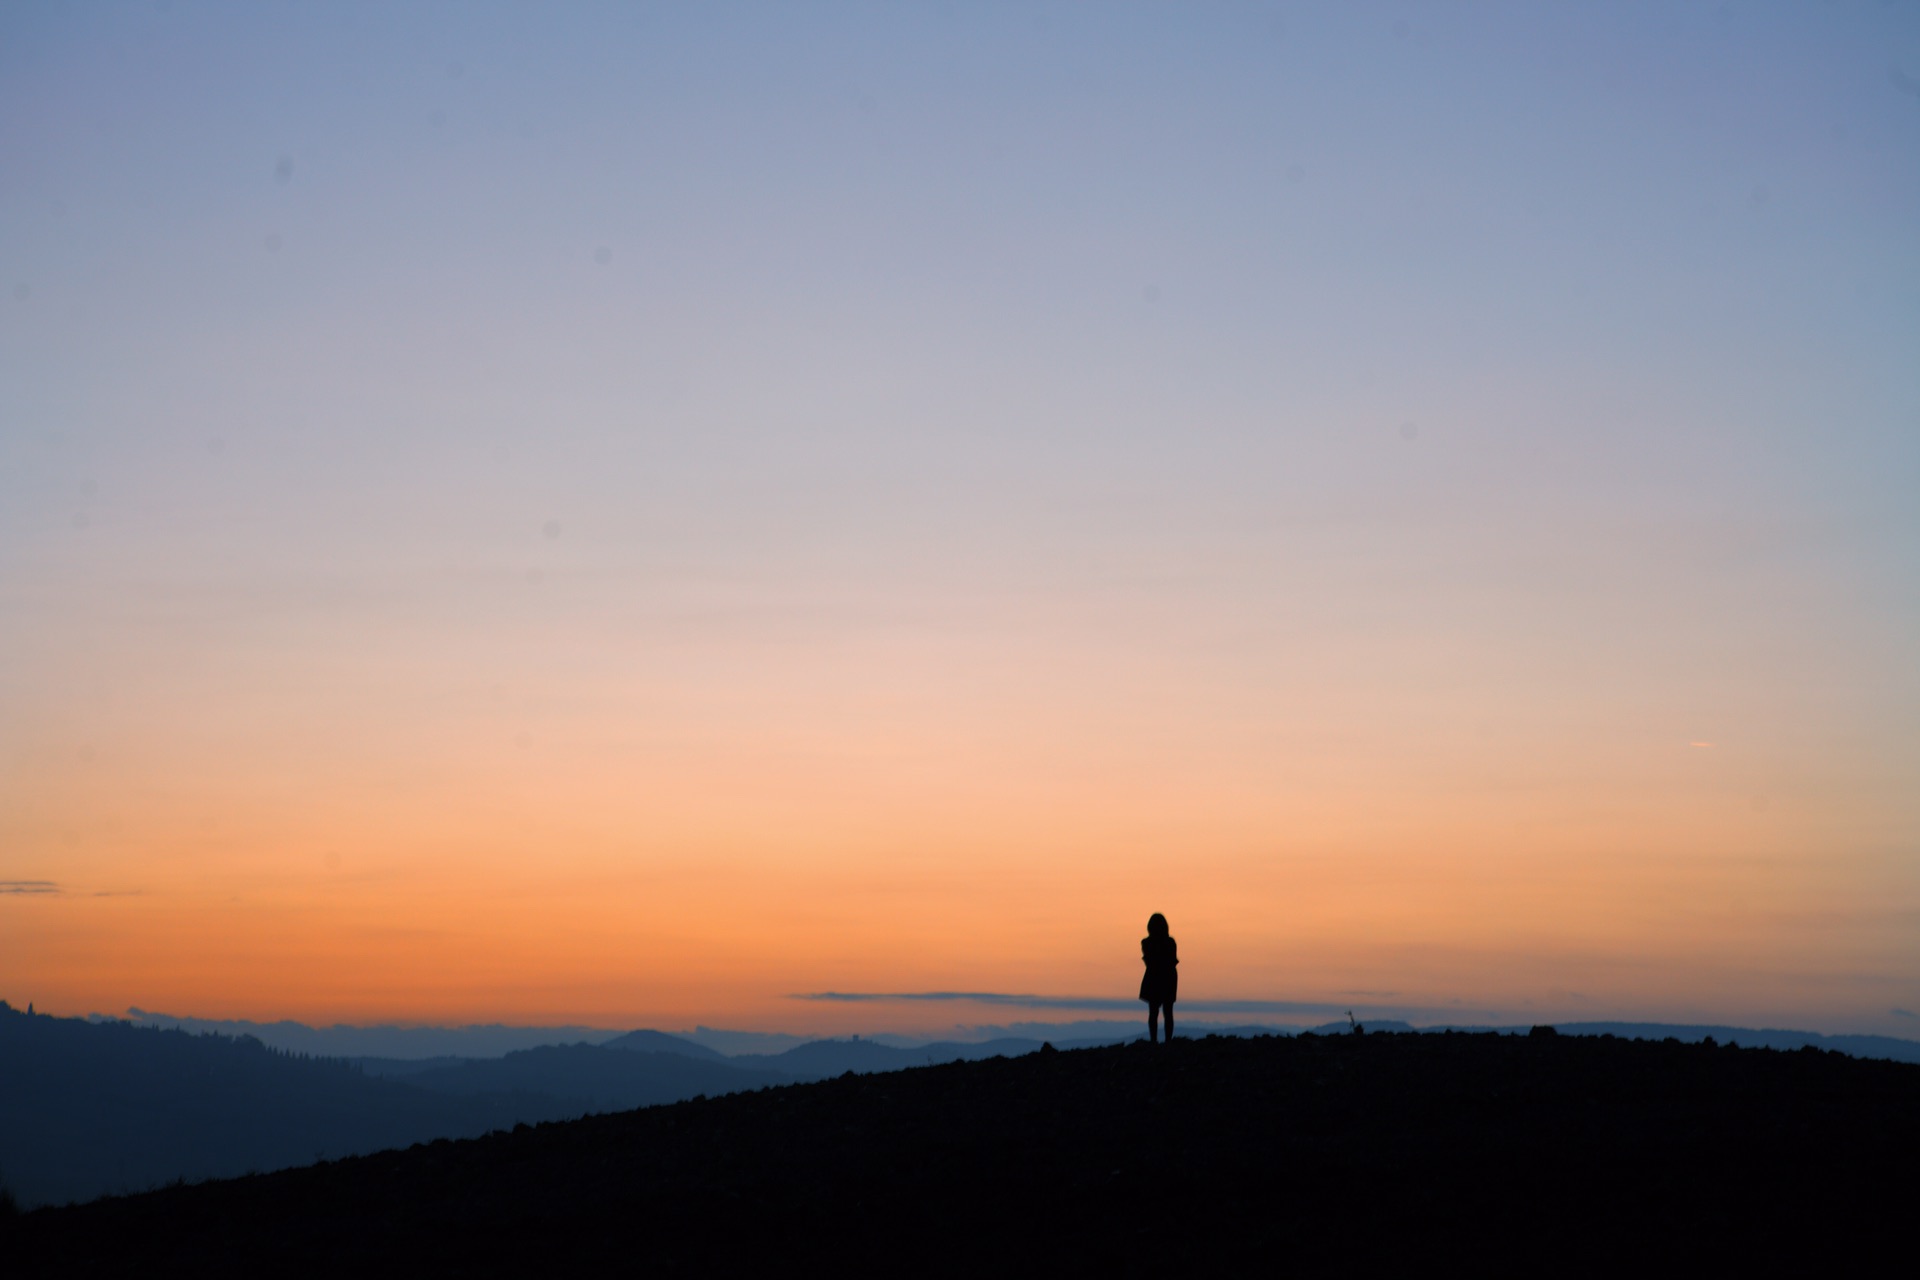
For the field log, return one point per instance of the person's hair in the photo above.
(1157, 925)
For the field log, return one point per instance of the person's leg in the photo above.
(1153, 1024)
(1169, 1021)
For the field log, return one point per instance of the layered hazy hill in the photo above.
(89, 1108)
(1235, 1156)
(591, 1078)
(94, 1108)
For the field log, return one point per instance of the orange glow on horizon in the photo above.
(596, 877)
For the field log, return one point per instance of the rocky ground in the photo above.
(1231, 1155)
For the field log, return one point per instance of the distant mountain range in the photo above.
(584, 1077)
(344, 1041)
(92, 1107)
(392, 1047)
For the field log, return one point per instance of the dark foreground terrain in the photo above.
(1336, 1152)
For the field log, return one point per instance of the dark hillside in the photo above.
(823, 1059)
(1496, 1152)
(1756, 1038)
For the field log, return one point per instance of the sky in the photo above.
(653, 515)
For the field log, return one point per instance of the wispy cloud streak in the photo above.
(28, 886)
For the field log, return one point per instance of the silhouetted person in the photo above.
(1160, 987)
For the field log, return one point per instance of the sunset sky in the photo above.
(633, 515)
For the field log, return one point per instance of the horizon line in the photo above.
(1022, 1000)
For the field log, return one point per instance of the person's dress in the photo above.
(1161, 983)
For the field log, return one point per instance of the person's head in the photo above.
(1156, 925)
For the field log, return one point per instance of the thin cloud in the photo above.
(53, 887)
(1905, 1013)
(976, 997)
